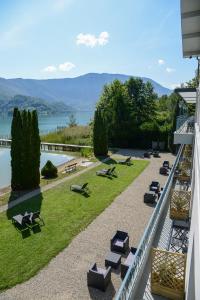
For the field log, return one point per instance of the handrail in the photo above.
(131, 278)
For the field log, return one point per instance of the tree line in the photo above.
(25, 150)
(130, 114)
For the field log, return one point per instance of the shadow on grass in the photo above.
(33, 204)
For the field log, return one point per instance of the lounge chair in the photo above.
(120, 242)
(99, 278)
(33, 217)
(21, 221)
(164, 171)
(128, 262)
(150, 197)
(166, 164)
(126, 161)
(113, 171)
(80, 188)
(103, 172)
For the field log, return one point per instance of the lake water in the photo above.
(5, 169)
(48, 123)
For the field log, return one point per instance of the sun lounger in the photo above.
(126, 161)
(103, 172)
(80, 188)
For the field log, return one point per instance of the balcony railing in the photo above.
(185, 134)
(132, 278)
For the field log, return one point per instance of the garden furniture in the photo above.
(150, 197)
(21, 220)
(164, 171)
(80, 188)
(166, 164)
(113, 260)
(147, 154)
(120, 242)
(128, 262)
(103, 172)
(33, 216)
(156, 154)
(70, 168)
(154, 186)
(99, 278)
(126, 161)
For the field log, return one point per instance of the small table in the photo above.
(113, 260)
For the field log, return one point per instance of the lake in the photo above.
(48, 123)
(5, 169)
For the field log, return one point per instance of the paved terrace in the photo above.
(65, 277)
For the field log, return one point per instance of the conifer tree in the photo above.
(35, 150)
(100, 137)
(16, 163)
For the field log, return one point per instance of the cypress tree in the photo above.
(25, 150)
(35, 150)
(16, 151)
(100, 137)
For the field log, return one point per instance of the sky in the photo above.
(67, 38)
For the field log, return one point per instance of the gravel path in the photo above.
(65, 277)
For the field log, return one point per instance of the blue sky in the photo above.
(67, 38)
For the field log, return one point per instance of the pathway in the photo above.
(65, 277)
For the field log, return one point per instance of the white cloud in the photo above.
(91, 40)
(66, 66)
(161, 62)
(175, 85)
(170, 70)
(50, 69)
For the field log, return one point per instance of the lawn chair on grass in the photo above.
(126, 161)
(33, 219)
(21, 221)
(83, 189)
(103, 172)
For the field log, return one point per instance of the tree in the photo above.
(142, 97)
(72, 121)
(49, 170)
(35, 150)
(16, 153)
(100, 138)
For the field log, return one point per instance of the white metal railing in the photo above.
(131, 280)
(187, 126)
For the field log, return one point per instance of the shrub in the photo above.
(49, 170)
(86, 152)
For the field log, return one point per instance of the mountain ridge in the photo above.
(81, 92)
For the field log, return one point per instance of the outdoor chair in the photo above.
(150, 197)
(33, 217)
(126, 161)
(128, 262)
(103, 172)
(154, 186)
(21, 221)
(113, 171)
(99, 278)
(164, 171)
(147, 154)
(166, 164)
(120, 242)
(156, 154)
(83, 189)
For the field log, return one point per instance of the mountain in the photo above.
(81, 92)
(26, 102)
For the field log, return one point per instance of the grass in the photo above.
(65, 214)
(77, 135)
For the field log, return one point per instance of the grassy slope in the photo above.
(65, 214)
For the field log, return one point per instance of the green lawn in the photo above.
(65, 214)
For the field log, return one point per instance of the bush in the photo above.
(49, 170)
(86, 152)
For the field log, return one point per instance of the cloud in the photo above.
(170, 70)
(161, 62)
(91, 40)
(50, 69)
(66, 66)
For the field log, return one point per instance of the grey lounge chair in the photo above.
(120, 242)
(126, 161)
(34, 217)
(113, 171)
(128, 262)
(99, 278)
(80, 188)
(103, 172)
(21, 221)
